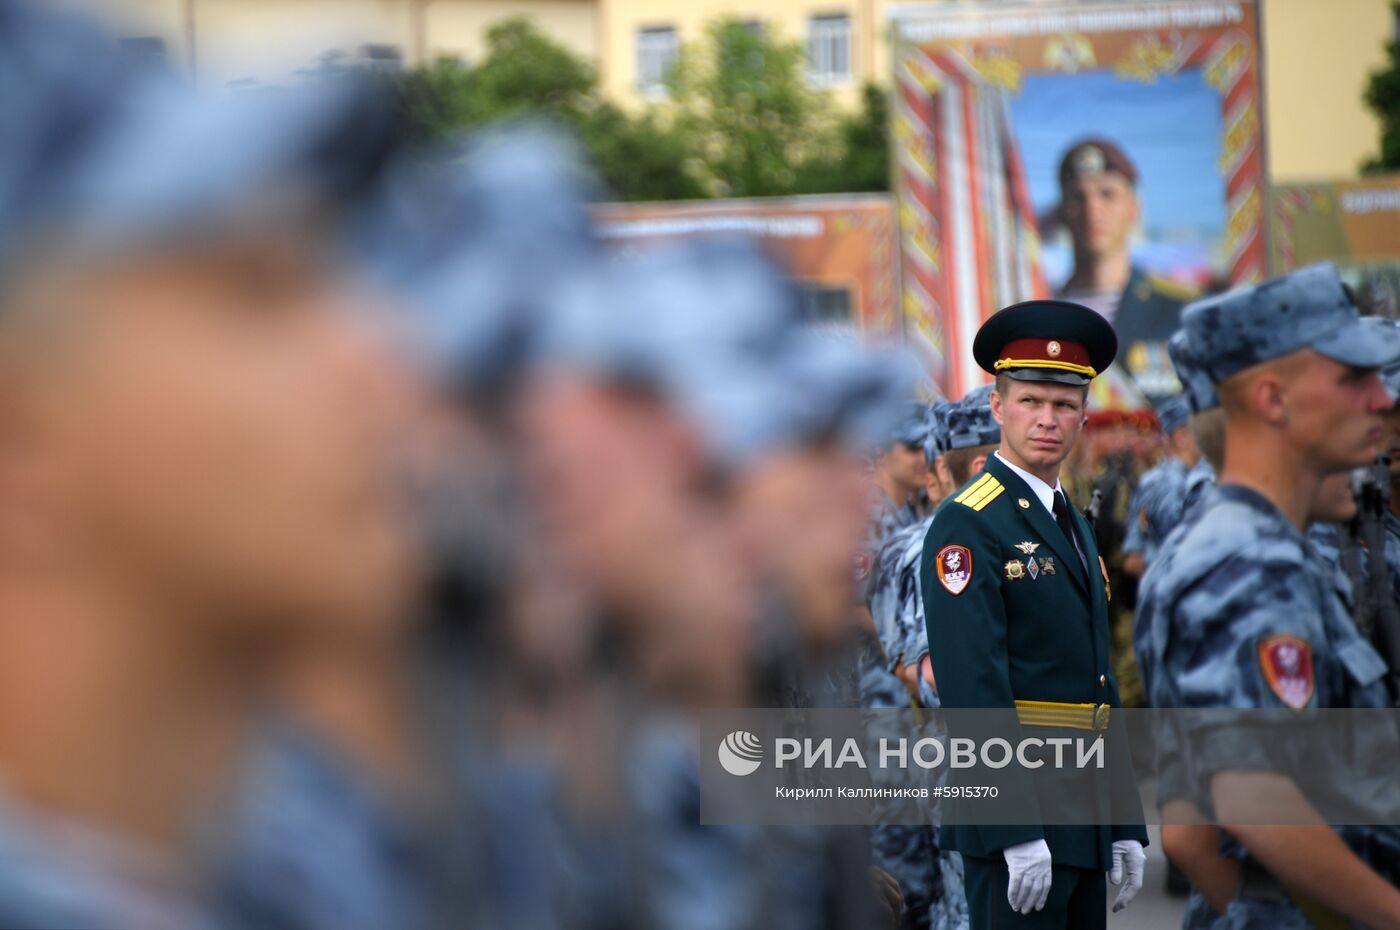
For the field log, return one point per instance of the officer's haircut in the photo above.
(960, 462)
(1003, 387)
(1208, 427)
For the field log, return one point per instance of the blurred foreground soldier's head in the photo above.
(457, 240)
(831, 403)
(623, 461)
(1296, 370)
(192, 444)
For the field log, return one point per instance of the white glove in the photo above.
(1127, 857)
(1028, 884)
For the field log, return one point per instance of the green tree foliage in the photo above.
(861, 159)
(741, 120)
(1383, 97)
(525, 74)
(744, 105)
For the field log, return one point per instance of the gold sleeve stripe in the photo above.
(973, 488)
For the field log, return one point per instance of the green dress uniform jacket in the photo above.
(1024, 621)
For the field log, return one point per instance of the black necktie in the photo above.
(1062, 517)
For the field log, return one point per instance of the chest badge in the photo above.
(1015, 571)
(1032, 568)
(1047, 565)
(1028, 547)
(1025, 504)
(954, 564)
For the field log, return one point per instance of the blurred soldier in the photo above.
(1228, 622)
(196, 454)
(962, 437)
(357, 769)
(682, 376)
(899, 472)
(1160, 489)
(1016, 603)
(893, 586)
(971, 434)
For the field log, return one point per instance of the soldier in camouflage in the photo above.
(1156, 499)
(1238, 610)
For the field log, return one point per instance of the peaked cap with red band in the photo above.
(1046, 340)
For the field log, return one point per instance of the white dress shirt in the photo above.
(1043, 492)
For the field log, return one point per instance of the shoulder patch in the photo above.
(954, 564)
(981, 492)
(1173, 289)
(1287, 664)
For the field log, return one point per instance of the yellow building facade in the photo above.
(1317, 54)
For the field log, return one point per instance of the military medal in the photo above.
(1015, 571)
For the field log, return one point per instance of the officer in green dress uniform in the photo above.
(1016, 605)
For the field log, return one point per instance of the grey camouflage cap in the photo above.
(1306, 309)
(913, 426)
(1173, 413)
(937, 442)
(460, 239)
(1197, 387)
(970, 423)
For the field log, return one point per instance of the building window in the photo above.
(829, 49)
(656, 56)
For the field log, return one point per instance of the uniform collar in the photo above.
(1043, 492)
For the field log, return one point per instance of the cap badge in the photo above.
(1052, 349)
(1089, 161)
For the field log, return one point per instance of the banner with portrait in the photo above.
(1110, 155)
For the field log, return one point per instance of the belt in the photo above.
(1057, 714)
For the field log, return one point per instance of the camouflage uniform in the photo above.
(1199, 479)
(1155, 507)
(1239, 610)
(1235, 579)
